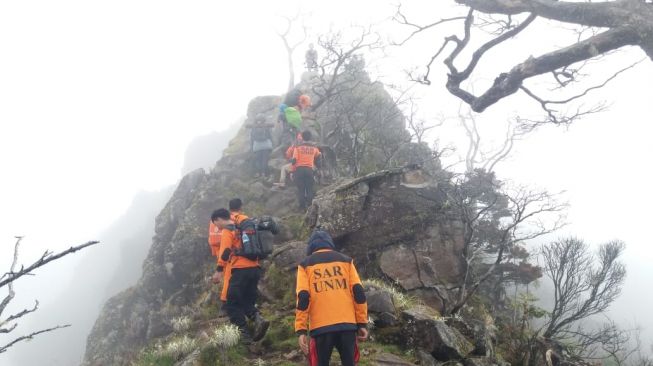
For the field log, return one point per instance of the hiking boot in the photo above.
(260, 327)
(246, 337)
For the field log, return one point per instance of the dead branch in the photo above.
(46, 258)
(30, 336)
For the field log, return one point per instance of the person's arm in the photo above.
(226, 243)
(295, 156)
(358, 292)
(303, 301)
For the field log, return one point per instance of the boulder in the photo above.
(388, 359)
(384, 320)
(425, 358)
(380, 301)
(289, 255)
(480, 361)
(424, 331)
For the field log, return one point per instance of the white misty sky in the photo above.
(98, 100)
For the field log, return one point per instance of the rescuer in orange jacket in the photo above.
(304, 159)
(242, 287)
(331, 304)
(223, 271)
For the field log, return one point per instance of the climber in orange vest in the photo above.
(245, 273)
(304, 159)
(289, 168)
(331, 300)
(223, 270)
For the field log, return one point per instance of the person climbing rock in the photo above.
(304, 103)
(223, 270)
(243, 283)
(331, 299)
(261, 145)
(289, 168)
(311, 58)
(304, 159)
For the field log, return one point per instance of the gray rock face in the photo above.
(434, 336)
(388, 359)
(390, 213)
(425, 359)
(394, 224)
(379, 301)
(289, 255)
(480, 361)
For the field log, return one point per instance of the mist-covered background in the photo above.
(105, 105)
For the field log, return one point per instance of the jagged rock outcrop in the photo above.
(396, 225)
(398, 214)
(433, 335)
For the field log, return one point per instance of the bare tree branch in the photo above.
(30, 336)
(46, 258)
(613, 25)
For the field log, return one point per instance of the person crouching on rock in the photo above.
(243, 284)
(331, 298)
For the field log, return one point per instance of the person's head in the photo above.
(235, 204)
(320, 239)
(221, 217)
(307, 135)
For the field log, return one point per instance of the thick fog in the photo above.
(101, 101)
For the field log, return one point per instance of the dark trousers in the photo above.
(241, 296)
(304, 181)
(344, 342)
(261, 159)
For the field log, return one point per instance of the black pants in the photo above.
(241, 295)
(344, 342)
(261, 159)
(304, 181)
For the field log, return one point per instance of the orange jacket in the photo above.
(230, 242)
(330, 296)
(214, 239)
(304, 102)
(237, 218)
(305, 155)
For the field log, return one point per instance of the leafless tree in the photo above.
(581, 287)
(341, 54)
(612, 25)
(419, 127)
(291, 46)
(495, 219)
(487, 160)
(584, 285)
(14, 273)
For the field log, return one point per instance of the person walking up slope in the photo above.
(331, 299)
(243, 283)
(304, 159)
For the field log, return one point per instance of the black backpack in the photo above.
(257, 237)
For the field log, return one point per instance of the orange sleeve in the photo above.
(303, 301)
(358, 293)
(226, 243)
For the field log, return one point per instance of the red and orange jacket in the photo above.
(330, 296)
(305, 155)
(230, 242)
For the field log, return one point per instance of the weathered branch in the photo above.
(46, 258)
(30, 336)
